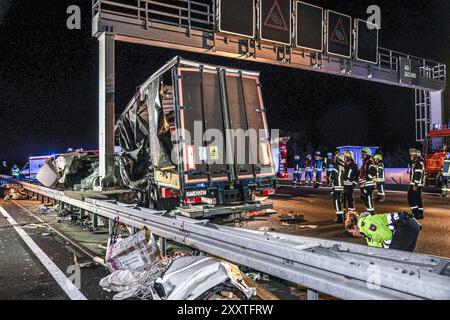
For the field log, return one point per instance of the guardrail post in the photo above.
(162, 246)
(312, 295)
(110, 226)
(95, 221)
(82, 213)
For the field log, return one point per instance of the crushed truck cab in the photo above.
(195, 137)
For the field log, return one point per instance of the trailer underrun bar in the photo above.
(339, 269)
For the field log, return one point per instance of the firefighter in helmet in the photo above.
(309, 169)
(329, 165)
(337, 189)
(367, 177)
(297, 171)
(381, 178)
(351, 178)
(417, 178)
(318, 168)
(398, 231)
(445, 176)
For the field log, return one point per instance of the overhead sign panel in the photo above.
(237, 17)
(339, 34)
(275, 21)
(309, 33)
(366, 41)
(409, 71)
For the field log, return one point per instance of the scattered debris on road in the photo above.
(14, 192)
(292, 218)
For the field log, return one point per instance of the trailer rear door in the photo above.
(201, 113)
(247, 113)
(202, 110)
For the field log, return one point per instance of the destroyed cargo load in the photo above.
(195, 135)
(74, 171)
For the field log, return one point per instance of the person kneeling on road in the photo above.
(397, 231)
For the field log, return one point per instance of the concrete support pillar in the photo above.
(106, 106)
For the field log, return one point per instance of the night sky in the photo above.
(49, 80)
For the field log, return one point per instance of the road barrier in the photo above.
(339, 269)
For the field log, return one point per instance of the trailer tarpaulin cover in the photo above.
(142, 126)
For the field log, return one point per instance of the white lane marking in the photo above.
(65, 284)
(283, 195)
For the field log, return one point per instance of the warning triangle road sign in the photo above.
(339, 35)
(275, 18)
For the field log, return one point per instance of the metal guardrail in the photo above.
(340, 269)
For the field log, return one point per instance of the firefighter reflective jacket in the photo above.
(417, 175)
(351, 175)
(380, 172)
(337, 178)
(446, 168)
(329, 164)
(368, 173)
(377, 230)
(297, 166)
(318, 164)
(15, 172)
(309, 165)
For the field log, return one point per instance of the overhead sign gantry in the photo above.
(279, 32)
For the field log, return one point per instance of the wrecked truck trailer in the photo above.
(195, 137)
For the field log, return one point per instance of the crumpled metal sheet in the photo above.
(68, 170)
(144, 137)
(188, 278)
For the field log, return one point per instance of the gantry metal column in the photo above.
(106, 107)
(423, 114)
(437, 107)
(429, 111)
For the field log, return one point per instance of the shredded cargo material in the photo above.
(137, 252)
(134, 284)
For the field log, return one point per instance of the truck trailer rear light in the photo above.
(268, 192)
(190, 158)
(193, 200)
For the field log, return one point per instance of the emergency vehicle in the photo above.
(435, 147)
(33, 166)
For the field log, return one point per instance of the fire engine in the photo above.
(436, 146)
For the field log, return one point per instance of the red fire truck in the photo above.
(436, 146)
